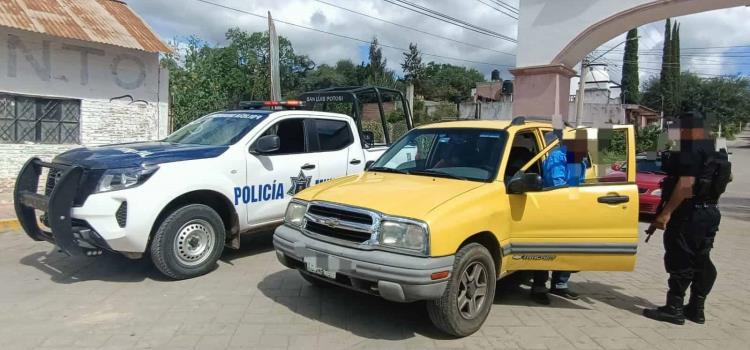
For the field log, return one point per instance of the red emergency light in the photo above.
(291, 104)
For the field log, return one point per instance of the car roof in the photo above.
(487, 124)
(284, 112)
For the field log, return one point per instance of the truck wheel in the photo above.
(314, 281)
(469, 295)
(188, 242)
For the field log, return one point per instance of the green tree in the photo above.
(204, 79)
(724, 101)
(412, 66)
(630, 81)
(666, 83)
(446, 82)
(675, 69)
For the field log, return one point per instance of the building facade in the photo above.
(85, 73)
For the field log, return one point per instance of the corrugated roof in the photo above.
(102, 21)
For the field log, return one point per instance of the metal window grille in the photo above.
(39, 120)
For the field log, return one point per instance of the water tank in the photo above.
(508, 87)
(495, 75)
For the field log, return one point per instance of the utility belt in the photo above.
(705, 205)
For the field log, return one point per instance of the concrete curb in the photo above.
(7, 225)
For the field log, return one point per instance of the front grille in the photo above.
(122, 214)
(338, 233)
(341, 214)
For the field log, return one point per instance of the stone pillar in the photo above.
(542, 91)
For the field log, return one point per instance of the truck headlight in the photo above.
(656, 192)
(404, 234)
(295, 213)
(122, 178)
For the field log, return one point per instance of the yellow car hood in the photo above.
(395, 194)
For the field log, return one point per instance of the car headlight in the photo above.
(656, 192)
(122, 178)
(404, 234)
(295, 213)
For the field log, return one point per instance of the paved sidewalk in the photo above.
(49, 301)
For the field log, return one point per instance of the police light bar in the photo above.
(291, 104)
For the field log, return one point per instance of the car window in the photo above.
(599, 150)
(291, 133)
(525, 146)
(461, 153)
(218, 129)
(333, 134)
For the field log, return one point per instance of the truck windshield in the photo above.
(218, 129)
(459, 153)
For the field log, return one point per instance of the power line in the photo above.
(412, 28)
(448, 19)
(506, 5)
(498, 10)
(346, 36)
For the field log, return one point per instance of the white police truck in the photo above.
(182, 199)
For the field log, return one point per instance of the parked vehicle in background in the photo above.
(452, 207)
(648, 177)
(182, 199)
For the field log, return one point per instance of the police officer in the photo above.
(696, 176)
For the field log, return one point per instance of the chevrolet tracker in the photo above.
(452, 207)
(182, 199)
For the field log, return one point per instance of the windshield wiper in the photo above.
(437, 173)
(387, 170)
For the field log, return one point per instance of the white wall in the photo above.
(98, 75)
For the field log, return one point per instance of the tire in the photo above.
(459, 320)
(314, 281)
(188, 242)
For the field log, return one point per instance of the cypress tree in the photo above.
(666, 71)
(630, 81)
(676, 68)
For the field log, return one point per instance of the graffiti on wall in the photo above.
(127, 71)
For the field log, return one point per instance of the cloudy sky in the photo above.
(721, 28)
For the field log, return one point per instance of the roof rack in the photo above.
(521, 120)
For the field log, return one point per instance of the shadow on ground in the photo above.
(374, 318)
(113, 267)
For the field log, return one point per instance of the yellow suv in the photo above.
(452, 207)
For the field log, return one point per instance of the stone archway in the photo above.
(555, 35)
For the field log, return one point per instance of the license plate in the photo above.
(312, 265)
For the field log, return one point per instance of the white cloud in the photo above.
(190, 17)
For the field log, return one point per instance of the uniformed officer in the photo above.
(696, 176)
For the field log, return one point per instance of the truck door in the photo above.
(335, 149)
(274, 178)
(589, 223)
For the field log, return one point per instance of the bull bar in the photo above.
(75, 239)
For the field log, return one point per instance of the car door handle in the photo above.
(355, 161)
(613, 199)
(308, 166)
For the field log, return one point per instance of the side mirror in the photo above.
(368, 139)
(266, 144)
(525, 182)
(369, 164)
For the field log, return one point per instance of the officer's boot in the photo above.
(694, 309)
(672, 312)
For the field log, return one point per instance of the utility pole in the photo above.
(274, 60)
(581, 87)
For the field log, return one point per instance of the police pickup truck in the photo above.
(182, 199)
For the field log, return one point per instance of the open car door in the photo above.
(591, 221)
